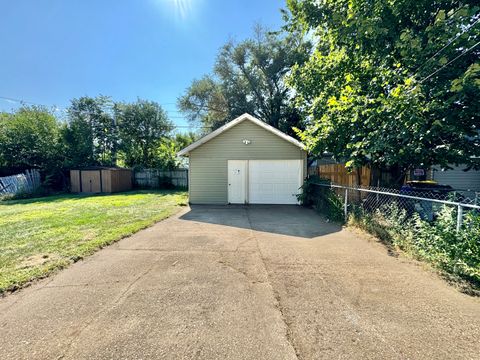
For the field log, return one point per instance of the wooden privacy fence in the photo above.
(20, 183)
(154, 178)
(338, 174)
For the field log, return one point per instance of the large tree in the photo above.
(91, 133)
(30, 138)
(390, 83)
(142, 127)
(248, 77)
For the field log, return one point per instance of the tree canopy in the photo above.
(142, 127)
(96, 131)
(30, 138)
(91, 135)
(100, 131)
(248, 77)
(390, 83)
(167, 151)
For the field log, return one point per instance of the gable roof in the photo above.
(236, 121)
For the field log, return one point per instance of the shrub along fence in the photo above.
(27, 182)
(161, 179)
(440, 228)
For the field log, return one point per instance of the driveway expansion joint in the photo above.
(276, 296)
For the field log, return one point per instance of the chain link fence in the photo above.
(438, 226)
(426, 204)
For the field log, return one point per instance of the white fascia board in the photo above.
(206, 138)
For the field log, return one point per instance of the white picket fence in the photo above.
(27, 182)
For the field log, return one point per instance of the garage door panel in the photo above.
(274, 181)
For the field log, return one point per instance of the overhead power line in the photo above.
(21, 101)
(58, 108)
(9, 99)
(65, 110)
(448, 44)
(448, 63)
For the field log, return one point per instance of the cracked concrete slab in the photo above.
(241, 282)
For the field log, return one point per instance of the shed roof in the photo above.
(236, 121)
(93, 167)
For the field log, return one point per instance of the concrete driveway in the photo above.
(258, 282)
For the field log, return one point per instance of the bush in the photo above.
(30, 139)
(321, 198)
(456, 254)
(307, 194)
(166, 183)
(330, 204)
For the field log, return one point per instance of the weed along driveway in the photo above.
(258, 282)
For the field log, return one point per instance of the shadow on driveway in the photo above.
(291, 220)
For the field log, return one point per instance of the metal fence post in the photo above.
(459, 217)
(345, 210)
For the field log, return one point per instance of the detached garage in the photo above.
(246, 161)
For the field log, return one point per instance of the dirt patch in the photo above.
(37, 260)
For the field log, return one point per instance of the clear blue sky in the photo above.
(56, 50)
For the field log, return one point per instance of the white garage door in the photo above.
(274, 181)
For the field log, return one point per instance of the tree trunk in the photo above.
(359, 175)
(375, 175)
(393, 176)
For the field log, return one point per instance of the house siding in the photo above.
(208, 162)
(457, 178)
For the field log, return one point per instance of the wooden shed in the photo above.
(100, 180)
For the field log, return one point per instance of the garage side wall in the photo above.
(208, 163)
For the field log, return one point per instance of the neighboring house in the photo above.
(246, 161)
(457, 178)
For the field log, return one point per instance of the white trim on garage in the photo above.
(188, 149)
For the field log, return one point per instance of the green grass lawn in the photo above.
(39, 236)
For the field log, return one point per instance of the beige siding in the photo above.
(75, 180)
(208, 163)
